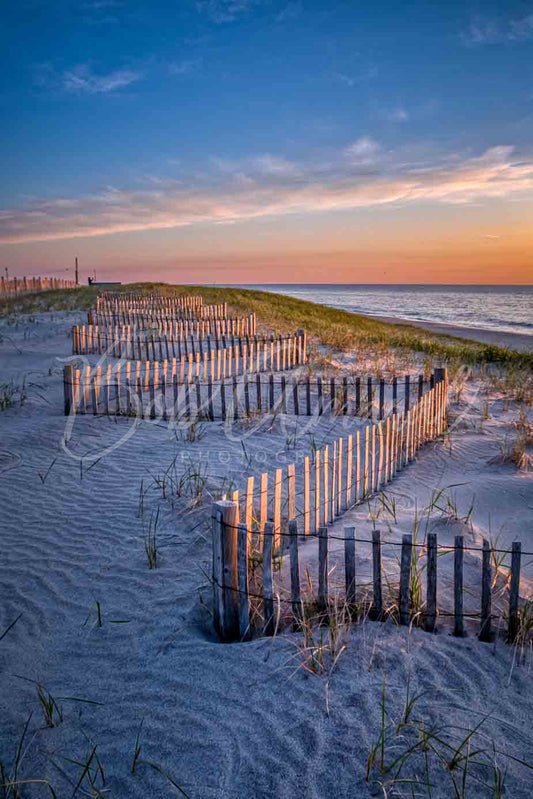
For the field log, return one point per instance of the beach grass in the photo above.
(331, 326)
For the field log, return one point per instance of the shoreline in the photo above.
(515, 341)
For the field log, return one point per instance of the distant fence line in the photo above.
(337, 477)
(26, 285)
(149, 315)
(123, 301)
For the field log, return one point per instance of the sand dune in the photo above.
(224, 721)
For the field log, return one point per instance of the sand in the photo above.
(514, 341)
(241, 720)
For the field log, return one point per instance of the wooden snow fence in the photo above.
(271, 514)
(148, 316)
(24, 285)
(222, 384)
(113, 301)
(273, 520)
(234, 590)
(227, 385)
(167, 339)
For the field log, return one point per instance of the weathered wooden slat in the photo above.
(268, 591)
(242, 569)
(307, 497)
(263, 501)
(405, 577)
(431, 592)
(225, 577)
(325, 460)
(323, 569)
(291, 491)
(349, 471)
(485, 628)
(459, 629)
(296, 600)
(349, 566)
(376, 611)
(514, 591)
(278, 487)
(317, 490)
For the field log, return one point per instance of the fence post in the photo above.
(227, 603)
(431, 599)
(376, 611)
(459, 630)
(349, 567)
(441, 374)
(514, 591)
(405, 576)
(68, 388)
(485, 631)
(323, 569)
(297, 608)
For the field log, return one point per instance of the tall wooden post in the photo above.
(226, 596)
(68, 388)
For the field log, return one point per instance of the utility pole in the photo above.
(76, 270)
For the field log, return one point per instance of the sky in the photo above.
(256, 141)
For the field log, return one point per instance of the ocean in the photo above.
(507, 309)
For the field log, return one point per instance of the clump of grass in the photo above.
(411, 749)
(52, 712)
(11, 394)
(11, 779)
(513, 451)
(324, 638)
(515, 383)
(136, 762)
(192, 483)
(150, 541)
(91, 780)
(191, 431)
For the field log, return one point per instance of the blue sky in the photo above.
(161, 123)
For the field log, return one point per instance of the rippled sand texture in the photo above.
(241, 720)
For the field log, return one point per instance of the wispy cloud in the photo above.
(362, 76)
(483, 31)
(291, 11)
(396, 115)
(185, 67)
(363, 151)
(305, 188)
(81, 79)
(220, 11)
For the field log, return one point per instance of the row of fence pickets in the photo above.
(124, 300)
(342, 473)
(197, 389)
(143, 315)
(125, 341)
(233, 590)
(341, 483)
(26, 285)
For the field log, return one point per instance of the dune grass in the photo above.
(333, 327)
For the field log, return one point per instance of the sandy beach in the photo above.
(130, 651)
(514, 341)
